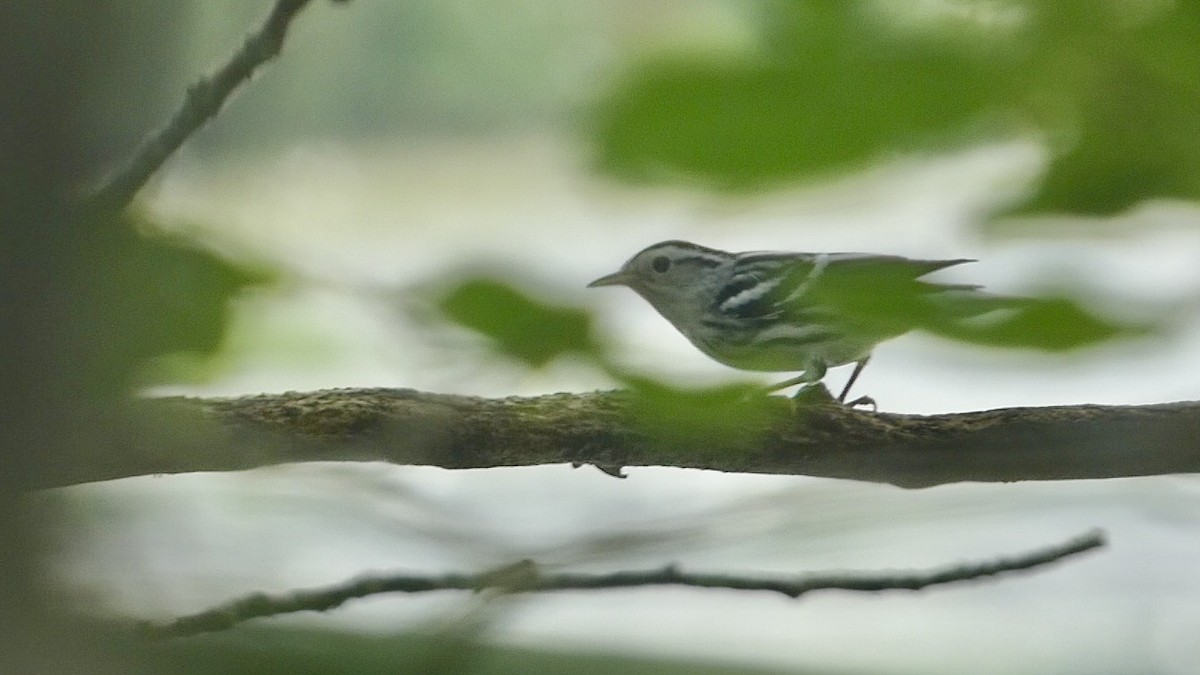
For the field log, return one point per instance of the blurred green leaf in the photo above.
(827, 92)
(885, 300)
(833, 85)
(698, 419)
(1128, 103)
(138, 294)
(519, 326)
(1051, 324)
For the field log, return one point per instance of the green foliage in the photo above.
(1129, 102)
(826, 92)
(519, 326)
(136, 294)
(698, 418)
(834, 84)
(1046, 323)
(886, 300)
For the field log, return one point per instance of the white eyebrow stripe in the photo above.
(820, 262)
(696, 259)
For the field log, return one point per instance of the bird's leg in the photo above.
(799, 379)
(858, 366)
(813, 372)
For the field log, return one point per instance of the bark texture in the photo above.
(766, 435)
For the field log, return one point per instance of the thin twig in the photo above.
(525, 577)
(203, 100)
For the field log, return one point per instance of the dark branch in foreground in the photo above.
(526, 577)
(611, 430)
(204, 99)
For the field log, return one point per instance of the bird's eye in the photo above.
(661, 264)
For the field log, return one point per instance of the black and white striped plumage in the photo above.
(771, 311)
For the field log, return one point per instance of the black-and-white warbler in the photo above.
(774, 311)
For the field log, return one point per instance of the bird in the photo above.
(777, 311)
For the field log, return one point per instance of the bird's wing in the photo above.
(762, 282)
(829, 287)
(883, 271)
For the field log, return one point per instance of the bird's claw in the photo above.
(863, 401)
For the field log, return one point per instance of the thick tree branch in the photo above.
(203, 101)
(526, 577)
(404, 426)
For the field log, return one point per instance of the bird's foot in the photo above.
(863, 401)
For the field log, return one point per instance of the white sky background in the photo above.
(360, 224)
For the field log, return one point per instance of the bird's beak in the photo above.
(618, 278)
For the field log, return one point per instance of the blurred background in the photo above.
(306, 238)
(397, 149)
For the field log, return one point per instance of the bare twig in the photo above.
(526, 577)
(204, 99)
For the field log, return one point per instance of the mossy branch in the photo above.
(604, 429)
